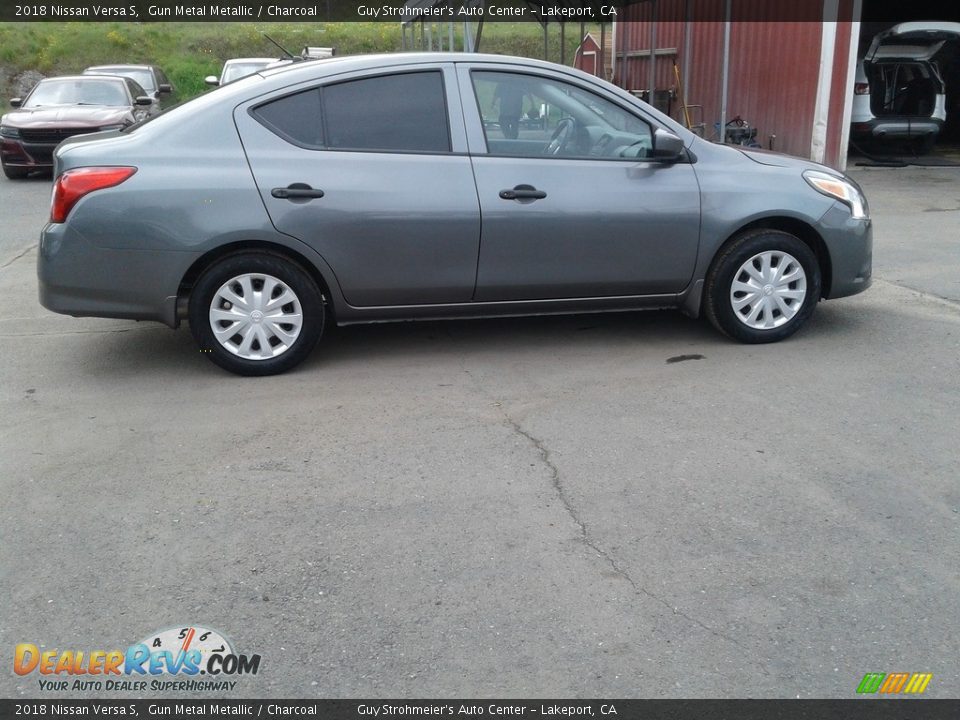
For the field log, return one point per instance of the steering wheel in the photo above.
(561, 136)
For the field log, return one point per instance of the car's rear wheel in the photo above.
(15, 173)
(762, 287)
(256, 314)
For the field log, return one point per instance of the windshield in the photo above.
(143, 78)
(77, 92)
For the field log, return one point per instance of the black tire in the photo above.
(728, 267)
(289, 277)
(15, 173)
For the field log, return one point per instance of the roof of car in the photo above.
(121, 65)
(88, 78)
(360, 62)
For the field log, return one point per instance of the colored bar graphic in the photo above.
(918, 683)
(894, 683)
(913, 683)
(870, 683)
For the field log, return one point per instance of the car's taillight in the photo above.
(74, 184)
(861, 88)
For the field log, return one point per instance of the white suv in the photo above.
(898, 92)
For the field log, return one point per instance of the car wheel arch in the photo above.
(799, 229)
(219, 253)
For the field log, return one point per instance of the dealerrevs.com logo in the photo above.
(196, 657)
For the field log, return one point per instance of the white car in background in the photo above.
(237, 68)
(899, 93)
(241, 67)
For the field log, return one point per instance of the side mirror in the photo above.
(666, 146)
(16, 102)
(144, 100)
(165, 89)
(212, 80)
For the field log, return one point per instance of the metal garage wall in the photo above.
(775, 66)
(774, 74)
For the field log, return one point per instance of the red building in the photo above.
(786, 68)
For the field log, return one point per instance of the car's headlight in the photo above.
(119, 126)
(10, 132)
(841, 189)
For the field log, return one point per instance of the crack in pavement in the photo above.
(585, 536)
(13, 260)
(592, 544)
(77, 332)
(923, 294)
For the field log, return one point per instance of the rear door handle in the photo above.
(523, 192)
(296, 191)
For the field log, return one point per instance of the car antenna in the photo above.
(285, 51)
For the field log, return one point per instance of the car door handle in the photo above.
(523, 192)
(296, 191)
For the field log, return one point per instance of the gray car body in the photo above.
(134, 250)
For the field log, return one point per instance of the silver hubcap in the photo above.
(256, 316)
(768, 290)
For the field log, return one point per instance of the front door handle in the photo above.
(296, 191)
(523, 192)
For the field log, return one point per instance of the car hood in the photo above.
(67, 115)
(775, 159)
(912, 40)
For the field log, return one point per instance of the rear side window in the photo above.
(295, 118)
(391, 113)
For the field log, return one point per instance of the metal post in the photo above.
(451, 38)
(725, 74)
(563, 43)
(686, 53)
(652, 70)
(603, 51)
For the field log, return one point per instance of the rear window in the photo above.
(391, 113)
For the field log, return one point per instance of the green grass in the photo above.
(190, 51)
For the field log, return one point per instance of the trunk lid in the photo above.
(912, 40)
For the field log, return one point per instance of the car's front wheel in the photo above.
(256, 314)
(762, 287)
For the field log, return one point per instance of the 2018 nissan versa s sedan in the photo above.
(373, 188)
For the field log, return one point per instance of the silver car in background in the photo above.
(149, 77)
(393, 187)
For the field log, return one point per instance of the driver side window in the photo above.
(532, 116)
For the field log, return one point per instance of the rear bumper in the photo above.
(897, 127)
(81, 279)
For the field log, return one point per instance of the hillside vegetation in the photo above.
(190, 51)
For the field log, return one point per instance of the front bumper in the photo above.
(850, 245)
(81, 279)
(19, 154)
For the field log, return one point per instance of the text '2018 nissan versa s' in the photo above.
(373, 188)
